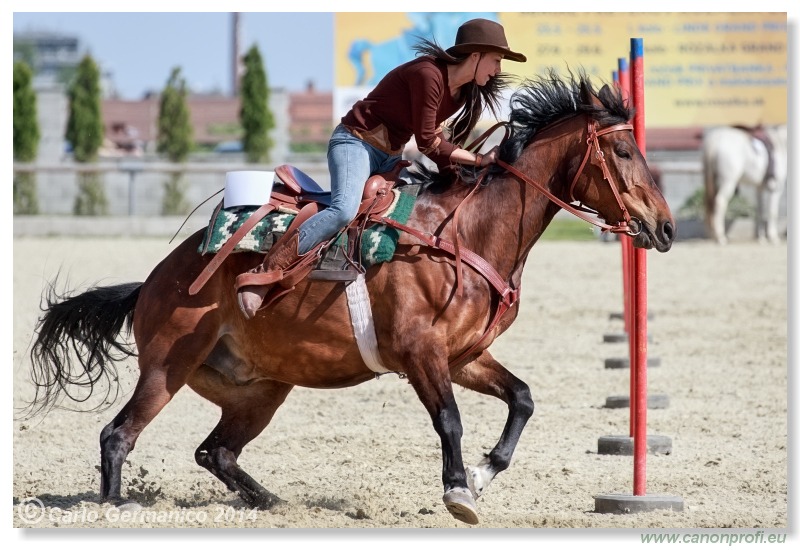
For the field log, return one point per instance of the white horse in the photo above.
(732, 156)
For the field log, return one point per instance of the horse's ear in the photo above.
(609, 95)
(587, 97)
(606, 92)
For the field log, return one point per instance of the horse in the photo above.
(372, 60)
(733, 156)
(434, 319)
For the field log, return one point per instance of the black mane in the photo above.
(537, 103)
(546, 99)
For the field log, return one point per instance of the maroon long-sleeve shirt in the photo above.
(411, 100)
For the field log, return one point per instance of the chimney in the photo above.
(236, 61)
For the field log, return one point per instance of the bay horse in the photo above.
(431, 320)
(733, 156)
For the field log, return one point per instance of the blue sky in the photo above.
(140, 49)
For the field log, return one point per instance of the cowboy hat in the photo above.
(482, 35)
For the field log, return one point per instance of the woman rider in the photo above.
(414, 99)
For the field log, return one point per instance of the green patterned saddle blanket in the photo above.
(378, 242)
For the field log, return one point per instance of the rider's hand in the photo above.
(491, 156)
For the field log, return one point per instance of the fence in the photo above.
(136, 188)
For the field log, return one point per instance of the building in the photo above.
(133, 125)
(304, 126)
(54, 58)
(310, 119)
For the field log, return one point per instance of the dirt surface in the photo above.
(368, 456)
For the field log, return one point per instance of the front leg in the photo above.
(430, 378)
(485, 375)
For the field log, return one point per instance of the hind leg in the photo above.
(118, 438)
(485, 375)
(166, 361)
(725, 191)
(771, 213)
(246, 411)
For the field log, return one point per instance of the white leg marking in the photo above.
(479, 477)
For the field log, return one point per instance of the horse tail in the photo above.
(77, 345)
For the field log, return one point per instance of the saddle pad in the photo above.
(377, 245)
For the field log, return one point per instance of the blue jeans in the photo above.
(351, 162)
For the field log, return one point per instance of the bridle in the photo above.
(629, 225)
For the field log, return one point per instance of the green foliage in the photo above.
(308, 147)
(254, 114)
(25, 52)
(85, 122)
(25, 140)
(85, 133)
(91, 199)
(26, 201)
(175, 132)
(224, 129)
(175, 139)
(569, 230)
(174, 203)
(26, 126)
(694, 207)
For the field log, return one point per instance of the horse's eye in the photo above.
(622, 151)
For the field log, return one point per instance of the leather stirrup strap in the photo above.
(228, 247)
(268, 278)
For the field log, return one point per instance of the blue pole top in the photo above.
(637, 47)
(622, 63)
(614, 76)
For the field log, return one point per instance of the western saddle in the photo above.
(297, 192)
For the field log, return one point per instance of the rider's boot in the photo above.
(252, 286)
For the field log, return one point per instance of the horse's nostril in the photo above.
(668, 231)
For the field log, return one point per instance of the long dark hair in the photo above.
(478, 98)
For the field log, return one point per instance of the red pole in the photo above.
(624, 84)
(624, 78)
(630, 322)
(627, 255)
(639, 335)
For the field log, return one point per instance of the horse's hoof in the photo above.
(479, 477)
(269, 501)
(461, 505)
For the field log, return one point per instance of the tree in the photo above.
(175, 139)
(26, 139)
(85, 134)
(254, 114)
(85, 122)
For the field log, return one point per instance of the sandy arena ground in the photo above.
(368, 456)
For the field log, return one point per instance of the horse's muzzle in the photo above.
(661, 238)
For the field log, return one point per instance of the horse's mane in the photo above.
(537, 103)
